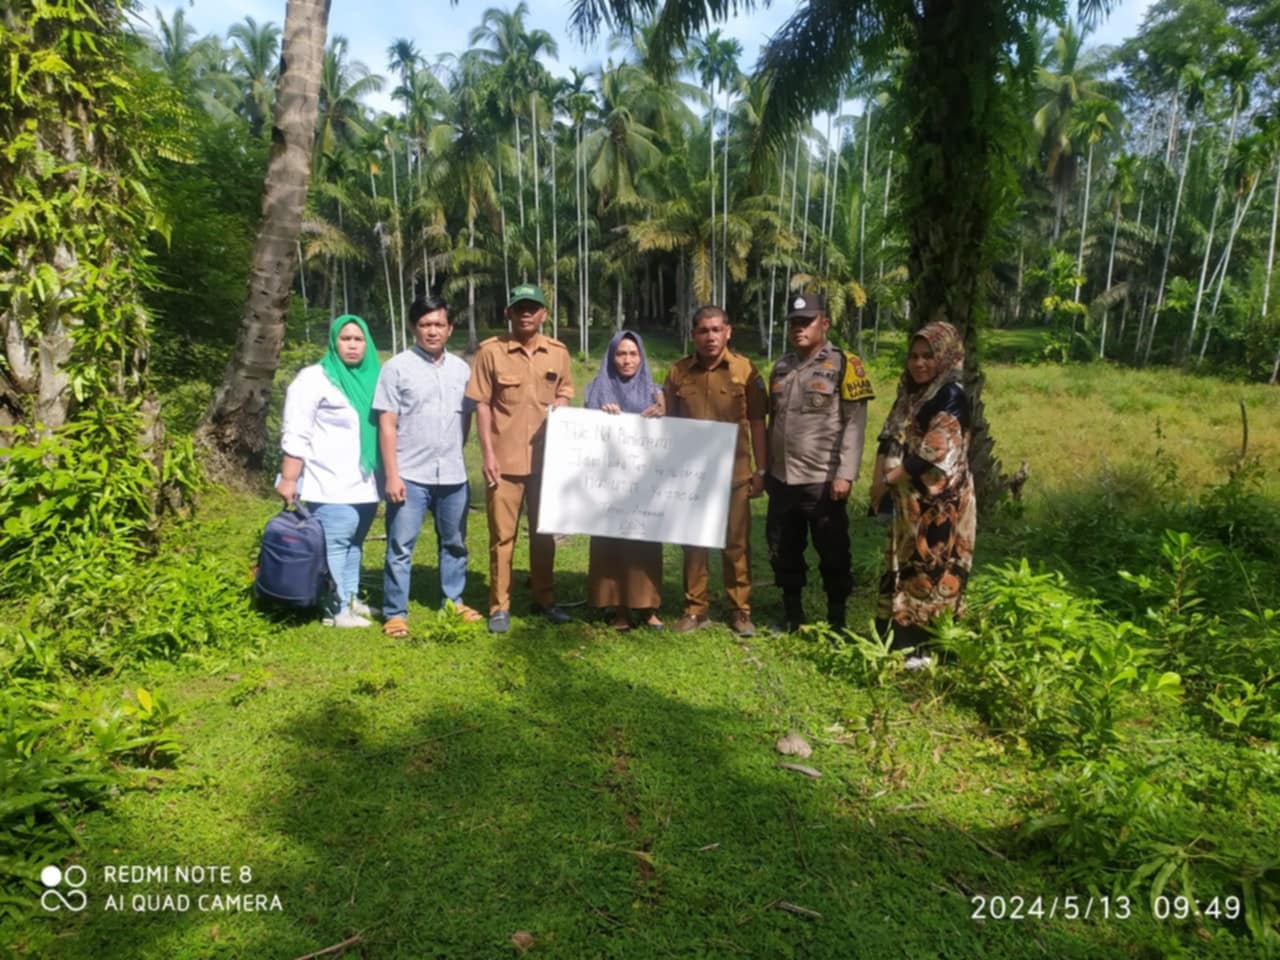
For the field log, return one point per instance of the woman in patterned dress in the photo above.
(923, 462)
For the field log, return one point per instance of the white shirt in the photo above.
(322, 429)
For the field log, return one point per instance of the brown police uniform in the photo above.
(817, 428)
(731, 391)
(520, 384)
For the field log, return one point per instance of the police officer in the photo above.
(515, 381)
(819, 400)
(718, 384)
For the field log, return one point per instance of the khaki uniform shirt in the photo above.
(520, 384)
(732, 391)
(819, 417)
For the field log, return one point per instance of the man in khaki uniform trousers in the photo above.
(515, 381)
(718, 384)
(819, 398)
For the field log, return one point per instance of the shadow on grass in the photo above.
(604, 817)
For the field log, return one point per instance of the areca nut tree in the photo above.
(1094, 120)
(234, 428)
(1119, 192)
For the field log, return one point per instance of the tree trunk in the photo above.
(402, 325)
(791, 221)
(829, 228)
(1271, 259)
(1084, 222)
(555, 242)
(473, 340)
(1213, 222)
(346, 298)
(724, 207)
(502, 224)
(884, 233)
(537, 175)
(519, 174)
(760, 303)
(380, 232)
(1241, 212)
(234, 429)
(577, 200)
(954, 90)
(1111, 263)
(862, 212)
(711, 180)
(826, 193)
(1271, 250)
(1168, 247)
(808, 192)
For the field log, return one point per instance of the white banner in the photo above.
(663, 479)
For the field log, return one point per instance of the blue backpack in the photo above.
(292, 569)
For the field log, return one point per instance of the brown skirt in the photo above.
(624, 573)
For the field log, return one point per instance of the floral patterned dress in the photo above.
(930, 551)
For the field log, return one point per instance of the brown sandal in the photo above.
(395, 627)
(467, 614)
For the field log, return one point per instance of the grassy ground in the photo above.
(619, 795)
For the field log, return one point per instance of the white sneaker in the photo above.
(918, 663)
(346, 619)
(360, 608)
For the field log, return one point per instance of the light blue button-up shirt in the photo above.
(426, 396)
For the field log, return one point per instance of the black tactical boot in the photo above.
(836, 615)
(793, 610)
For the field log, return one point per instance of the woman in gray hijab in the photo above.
(625, 574)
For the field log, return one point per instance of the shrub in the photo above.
(1041, 664)
(62, 750)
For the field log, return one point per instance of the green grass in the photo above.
(612, 796)
(619, 795)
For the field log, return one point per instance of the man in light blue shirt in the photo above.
(423, 422)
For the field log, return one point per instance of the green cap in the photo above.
(527, 291)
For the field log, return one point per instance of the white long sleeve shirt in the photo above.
(322, 429)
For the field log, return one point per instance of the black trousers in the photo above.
(795, 512)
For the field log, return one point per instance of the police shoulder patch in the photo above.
(855, 385)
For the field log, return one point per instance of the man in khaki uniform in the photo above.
(515, 381)
(718, 384)
(819, 398)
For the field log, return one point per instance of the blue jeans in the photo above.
(345, 527)
(448, 504)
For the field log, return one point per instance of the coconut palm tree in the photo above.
(342, 122)
(1069, 76)
(255, 55)
(234, 428)
(622, 146)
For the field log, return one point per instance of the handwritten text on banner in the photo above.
(662, 479)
